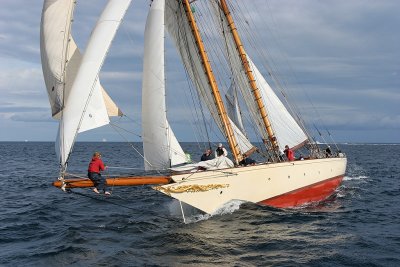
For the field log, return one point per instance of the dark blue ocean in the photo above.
(42, 226)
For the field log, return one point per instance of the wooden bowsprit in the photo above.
(117, 181)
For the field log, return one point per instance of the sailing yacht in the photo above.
(80, 103)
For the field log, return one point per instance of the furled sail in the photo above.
(61, 57)
(160, 147)
(85, 109)
(183, 39)
(286, 129)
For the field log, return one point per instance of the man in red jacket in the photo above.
(289, 153)
(95, 167)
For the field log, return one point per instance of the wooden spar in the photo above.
(117, 181)
(211, 79)
(249, 73)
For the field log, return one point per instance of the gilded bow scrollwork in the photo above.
(189, 188)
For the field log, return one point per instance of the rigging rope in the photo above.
(272, 67)
(134, 148)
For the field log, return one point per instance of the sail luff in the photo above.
(249, 74)
(228, 131)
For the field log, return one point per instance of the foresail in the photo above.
(85, 108)
(160, 147)
(61, 57)
(74, 61)
(55, 29)
(176, 153)
(112, 109)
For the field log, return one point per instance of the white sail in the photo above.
(182, 36)
(85, 109)
(61, 57)
(286, 129)
(160, 147)
(54, 34)
(242, 141)
(232, 107)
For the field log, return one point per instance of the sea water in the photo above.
(42, 226)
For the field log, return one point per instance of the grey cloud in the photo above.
(344, 55)
(32, 117)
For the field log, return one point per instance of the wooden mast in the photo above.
(211, 79)
(250, 76)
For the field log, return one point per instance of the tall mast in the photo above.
(211, 79)
(250, 76)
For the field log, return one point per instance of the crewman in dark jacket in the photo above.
(207, 155)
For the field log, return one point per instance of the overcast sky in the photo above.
(344, 54)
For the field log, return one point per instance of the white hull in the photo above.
(209, 190)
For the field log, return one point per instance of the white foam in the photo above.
(361, 177)
(193, 215)
(229, 207)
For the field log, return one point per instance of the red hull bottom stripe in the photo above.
(313, 193)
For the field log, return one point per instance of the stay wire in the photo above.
(132, 146)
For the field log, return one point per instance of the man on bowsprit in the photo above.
(96, 165)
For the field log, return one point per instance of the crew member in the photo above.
(247, 161)
(220, 151)
(289, 153)
(96, 165)
(207, 155)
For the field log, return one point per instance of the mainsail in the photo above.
(85, 108)
(161, 149)
(182, 36)
(286, 129)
